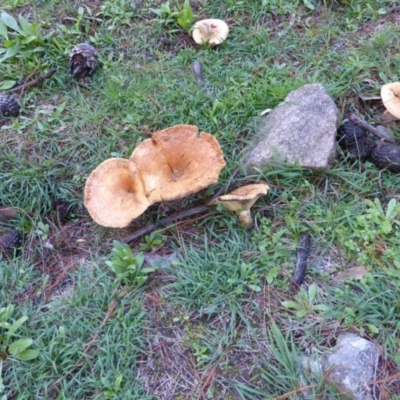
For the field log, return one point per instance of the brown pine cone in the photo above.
(9, 242)
(349, 133)
(9, 107)
(82, 60)
(386, 156)
(361, 149)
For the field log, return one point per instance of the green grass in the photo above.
(213, 324)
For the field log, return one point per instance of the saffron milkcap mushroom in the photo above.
(212, 31)
(390, 94)
(115, 194)
(178, 161)
(241, 200)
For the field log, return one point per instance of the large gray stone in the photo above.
(301, 130)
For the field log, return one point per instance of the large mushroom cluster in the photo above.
(173, 163)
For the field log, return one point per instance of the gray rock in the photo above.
(350, 367)
(164, 261)
(301, 130)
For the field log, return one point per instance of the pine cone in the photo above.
(386, 156)
(9, 107)
(362, 148)
(9, 242)
(82, 60)
(349, 133)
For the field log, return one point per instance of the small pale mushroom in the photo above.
(178, 161)
(390, 94)
(241, 200)
(212, 31)
(115, 194)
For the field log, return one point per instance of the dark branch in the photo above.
(301, 261)
(33, 82)
(176, 216)
(370, 128)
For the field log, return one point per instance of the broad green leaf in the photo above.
(19, 346)
(28, 39)
(372, 328)
(386, 226)
(11, 52)
(27, 355)
(148, 270)
(10, 21)
(256, 288)
(26, 26)
(118, 381)
(321, 307)
(308, 4)
(390, 207)
(272, 274)
(7, 84)
(397, 358)
(301, 313)
(16, 324)
(312, 291)
(290, 304)
(3, 30)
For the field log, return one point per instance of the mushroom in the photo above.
(177, 161)
(213, 31)
(241, 200)
(390, 94)
(115, 194)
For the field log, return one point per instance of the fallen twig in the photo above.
(358, 121)
(301, 261)
(176, 216)
(165, 221)
(198, 71)
(33, 82)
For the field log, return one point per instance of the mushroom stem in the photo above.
(246, 219)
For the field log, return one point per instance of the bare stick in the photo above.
(176, 216)
(165, 221)
(369, 128)
(34, 82)
(301, 261)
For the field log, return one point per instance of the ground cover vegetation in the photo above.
(83, 318)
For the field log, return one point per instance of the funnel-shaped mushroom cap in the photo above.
(213, 31)
(242, 199)
(390, 94)
(115, 194)
(177, 162)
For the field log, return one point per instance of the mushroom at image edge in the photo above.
(241, 200)
(177, 162)
(212, 31)
(115, 194)
(390, 94)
